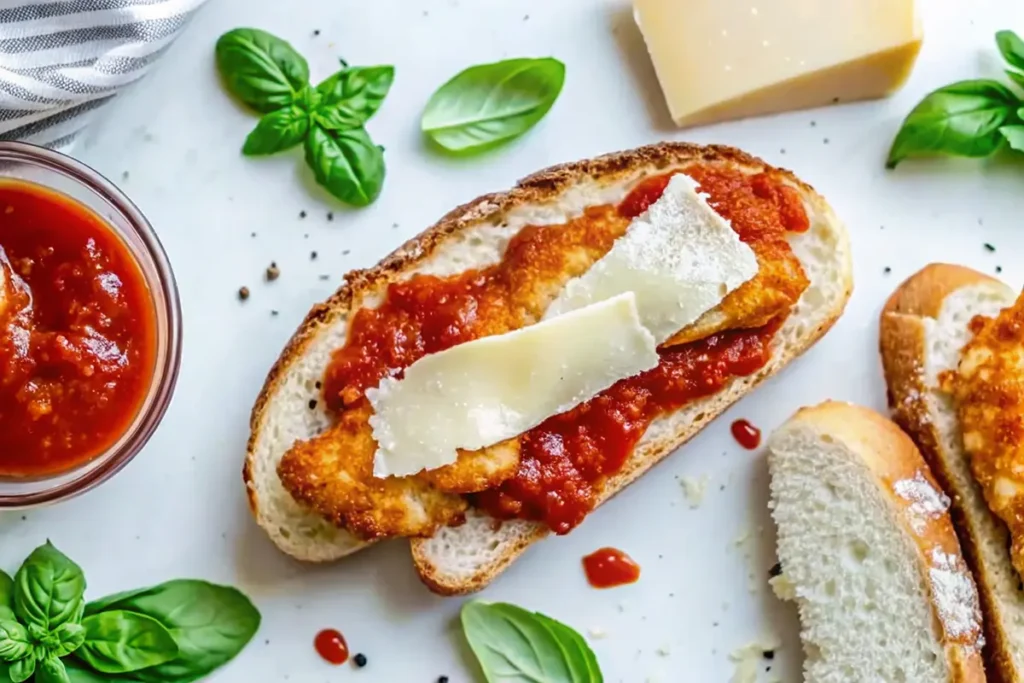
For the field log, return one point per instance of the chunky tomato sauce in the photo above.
(77, 333)
(565, 460)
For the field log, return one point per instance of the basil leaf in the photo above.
(14, 641)
(78, 673)
(260, 69)
(22, 669)
(335, 118)
(69, 638)
(962, 119)
(512, 644)
(1014, 136)
(122, 642)
(277, 131)
(1016, 76)
(346, 163)
(1011, 47)
(357, 92)
(6, 597)
(51, 670)
(210, 623)
(489, 104)
(48, 589)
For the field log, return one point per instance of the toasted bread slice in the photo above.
(924, 327)
(869, 554)
(464, 559)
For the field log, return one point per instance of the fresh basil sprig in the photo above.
(969, 118)
(176, 632)
(267, 74)
(513, 644)
(490, 104)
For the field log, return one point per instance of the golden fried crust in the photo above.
(989, 390)
(476, 471)
(352, 497)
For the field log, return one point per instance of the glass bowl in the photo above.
(63, 174)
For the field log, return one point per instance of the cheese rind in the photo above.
(727, 59)
(491, 389)
(680, 258)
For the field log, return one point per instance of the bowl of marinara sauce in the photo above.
(90, 328)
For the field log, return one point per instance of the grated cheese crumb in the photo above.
(749, 658)
(596, 633)
(694, 490)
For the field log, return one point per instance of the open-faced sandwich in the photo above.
(952, 344)
(534, 352)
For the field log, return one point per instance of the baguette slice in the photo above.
(869, 554)
(923, 329)
(464, 559)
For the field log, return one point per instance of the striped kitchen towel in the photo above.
(62, 60)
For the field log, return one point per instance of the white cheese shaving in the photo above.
(680, 258)
(749, 657)
(488, 390)
(925, 501)
(955, 596)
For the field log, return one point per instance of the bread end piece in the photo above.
(923, 327)
(867, 544)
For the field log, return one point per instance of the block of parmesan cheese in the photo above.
(728, 59)
(488, 390)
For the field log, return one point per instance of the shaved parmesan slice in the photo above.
(680, 258)
(488, 390)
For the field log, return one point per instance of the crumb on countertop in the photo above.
(749, 657)
(273, 272)
(597, 633)
(694, 490)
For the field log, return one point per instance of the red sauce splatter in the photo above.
(77, 333)
(746, 434)
(566, 460)
(331, 645)
(610, 567)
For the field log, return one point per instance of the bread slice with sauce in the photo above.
(465, 558)
(924, 327)
(868, 553)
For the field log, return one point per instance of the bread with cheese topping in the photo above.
(464, 558)
(924, 327)
(868, 553)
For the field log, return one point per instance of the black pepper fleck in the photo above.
(312, 404)
(325, 277)
(813, 124)
(394, 225)
(302, 214)
(989, 247)
(319, 385)
(273, 272)
(330, 215)
(442, 679)
(312, 256)
(359, 660)
(346, 252)
(243, 293)
(124, 175)
(825, 141)
(999, 269)
(769, 654)
(274, 313)
(776, 570)
(252, 234)
(782, 151)
(316, 32)
(887, 270)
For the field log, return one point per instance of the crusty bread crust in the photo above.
(648, 453)
(903, 347)
(539, 188)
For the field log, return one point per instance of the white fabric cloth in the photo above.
(62, 60)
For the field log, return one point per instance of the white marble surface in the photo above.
(179, 509)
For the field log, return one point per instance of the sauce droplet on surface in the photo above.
(331, 645)
(746, 434)
(610, 567)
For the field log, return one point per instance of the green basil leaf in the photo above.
(22, 669)
(277, 131)
(79, 673)
(515, 645)
(489, 104)
(121, 642)
(14, 641)
(1016, 76)
(210, 623)
(48, 589)
(69, 638)
(335, 118)
(5, 672)
(51, 670)
(1014, 136)
(358, 91)
(6, 597)
(260, 69)
(346, 163)
(962, 119)
(1011, 47)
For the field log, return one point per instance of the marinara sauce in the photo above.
(566, 460)
(77, 333)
